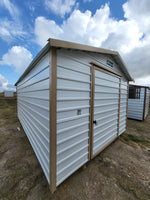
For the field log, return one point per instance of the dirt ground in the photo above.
(120, 172)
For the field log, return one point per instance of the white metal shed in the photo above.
(138, 103)
(72, 103)
(8, 93)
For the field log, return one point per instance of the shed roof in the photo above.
(139, 86)
(69, 45)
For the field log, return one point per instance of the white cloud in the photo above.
(11, 29)
(60, 7)
(10, 7)
(18, 57)
(4, 85)
(98, 30)
(87, 0)
(131, 37)
(47, 28)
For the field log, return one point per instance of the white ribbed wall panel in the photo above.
(106, 103)
(33, 110)
(123, 106)
(136, 106)
(73, 94)
(146, 102)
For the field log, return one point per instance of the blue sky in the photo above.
(120, 25)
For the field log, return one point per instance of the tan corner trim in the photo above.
(103, 69)
(144, 103)
(91, 112)
(53, 108)
(119, 106)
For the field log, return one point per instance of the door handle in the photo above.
(95, 122)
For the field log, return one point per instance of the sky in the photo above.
(120, 25)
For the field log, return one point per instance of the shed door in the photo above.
(105, 110)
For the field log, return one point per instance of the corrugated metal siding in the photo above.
(135, 107)
(123, 106)
(106, 102)
(33, 110)
(73, 93)
(146, 102)
(73, 96)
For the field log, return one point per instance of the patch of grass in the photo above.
(7, 116)
(130, 137)
(126, 139)
(136, 139)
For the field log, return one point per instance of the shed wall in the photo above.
(146, 102)
(136, 106)
(73, 104)
(73, 96)
(33, 110)
(123, 106)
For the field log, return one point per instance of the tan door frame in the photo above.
(94, 67)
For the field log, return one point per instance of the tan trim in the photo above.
(53, 108)
(91, 112)
(71, 45)
(105, 70)
(104, 147)
(124, 65)
(144, 104)
(139, 86)
(119, 106)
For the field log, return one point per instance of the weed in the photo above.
(136, 139)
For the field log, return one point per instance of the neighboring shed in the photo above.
(138, 103)
(149, 97)
(72, 103)
(8, 93)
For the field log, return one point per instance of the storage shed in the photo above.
(149, 97)
(138, 103)
(8, 93)
(72, 103)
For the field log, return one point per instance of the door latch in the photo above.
(95, 122)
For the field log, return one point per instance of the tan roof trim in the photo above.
(124, 64)
(71, 45)
(139, 86)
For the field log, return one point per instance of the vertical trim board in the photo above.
(53, 108)
(144, 103)
(91, 113)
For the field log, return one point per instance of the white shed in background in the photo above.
(138, 103)
(8, 93)
(72, 103)
(149, 97)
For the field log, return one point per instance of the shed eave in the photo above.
(121, 63)
(44, 50)
(70, 45)
(114, 54)
(77, 46)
